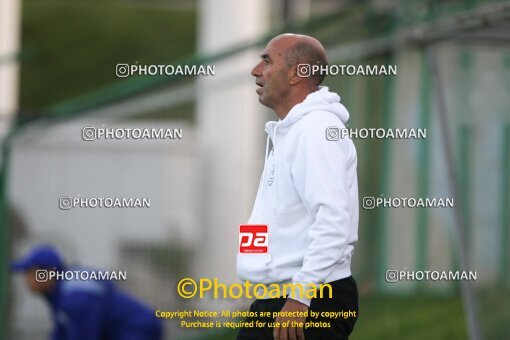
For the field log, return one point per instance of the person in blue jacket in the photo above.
(88, 310)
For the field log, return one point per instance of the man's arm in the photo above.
(86, 316)
(58, 331)
(319, 171)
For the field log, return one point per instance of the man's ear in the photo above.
(293, 76)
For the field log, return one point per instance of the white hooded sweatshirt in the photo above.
(308, 197)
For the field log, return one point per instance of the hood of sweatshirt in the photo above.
(320, 100)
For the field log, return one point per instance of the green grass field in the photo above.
(422, 317)
(70, 48)
(402, 318)
(410, 318)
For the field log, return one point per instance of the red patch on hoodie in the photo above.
(253, 238)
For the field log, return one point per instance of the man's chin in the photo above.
(262, 101)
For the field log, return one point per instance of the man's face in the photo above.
(272, 74)
(36, 286)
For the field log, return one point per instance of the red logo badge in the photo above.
(253, 238)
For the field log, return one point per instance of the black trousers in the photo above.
(344, 298)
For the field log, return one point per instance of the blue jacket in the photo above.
(98, 310)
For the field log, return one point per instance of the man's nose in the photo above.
(256, 70)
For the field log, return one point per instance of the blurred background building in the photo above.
(57, 75)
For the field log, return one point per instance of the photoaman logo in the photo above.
(253, 238)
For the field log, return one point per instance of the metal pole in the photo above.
(286, 12)
(469, 299)
(9, 45)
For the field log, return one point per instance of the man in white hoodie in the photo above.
(308, 197)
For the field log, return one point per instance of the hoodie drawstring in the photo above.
(267, 148)
(275, 169)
